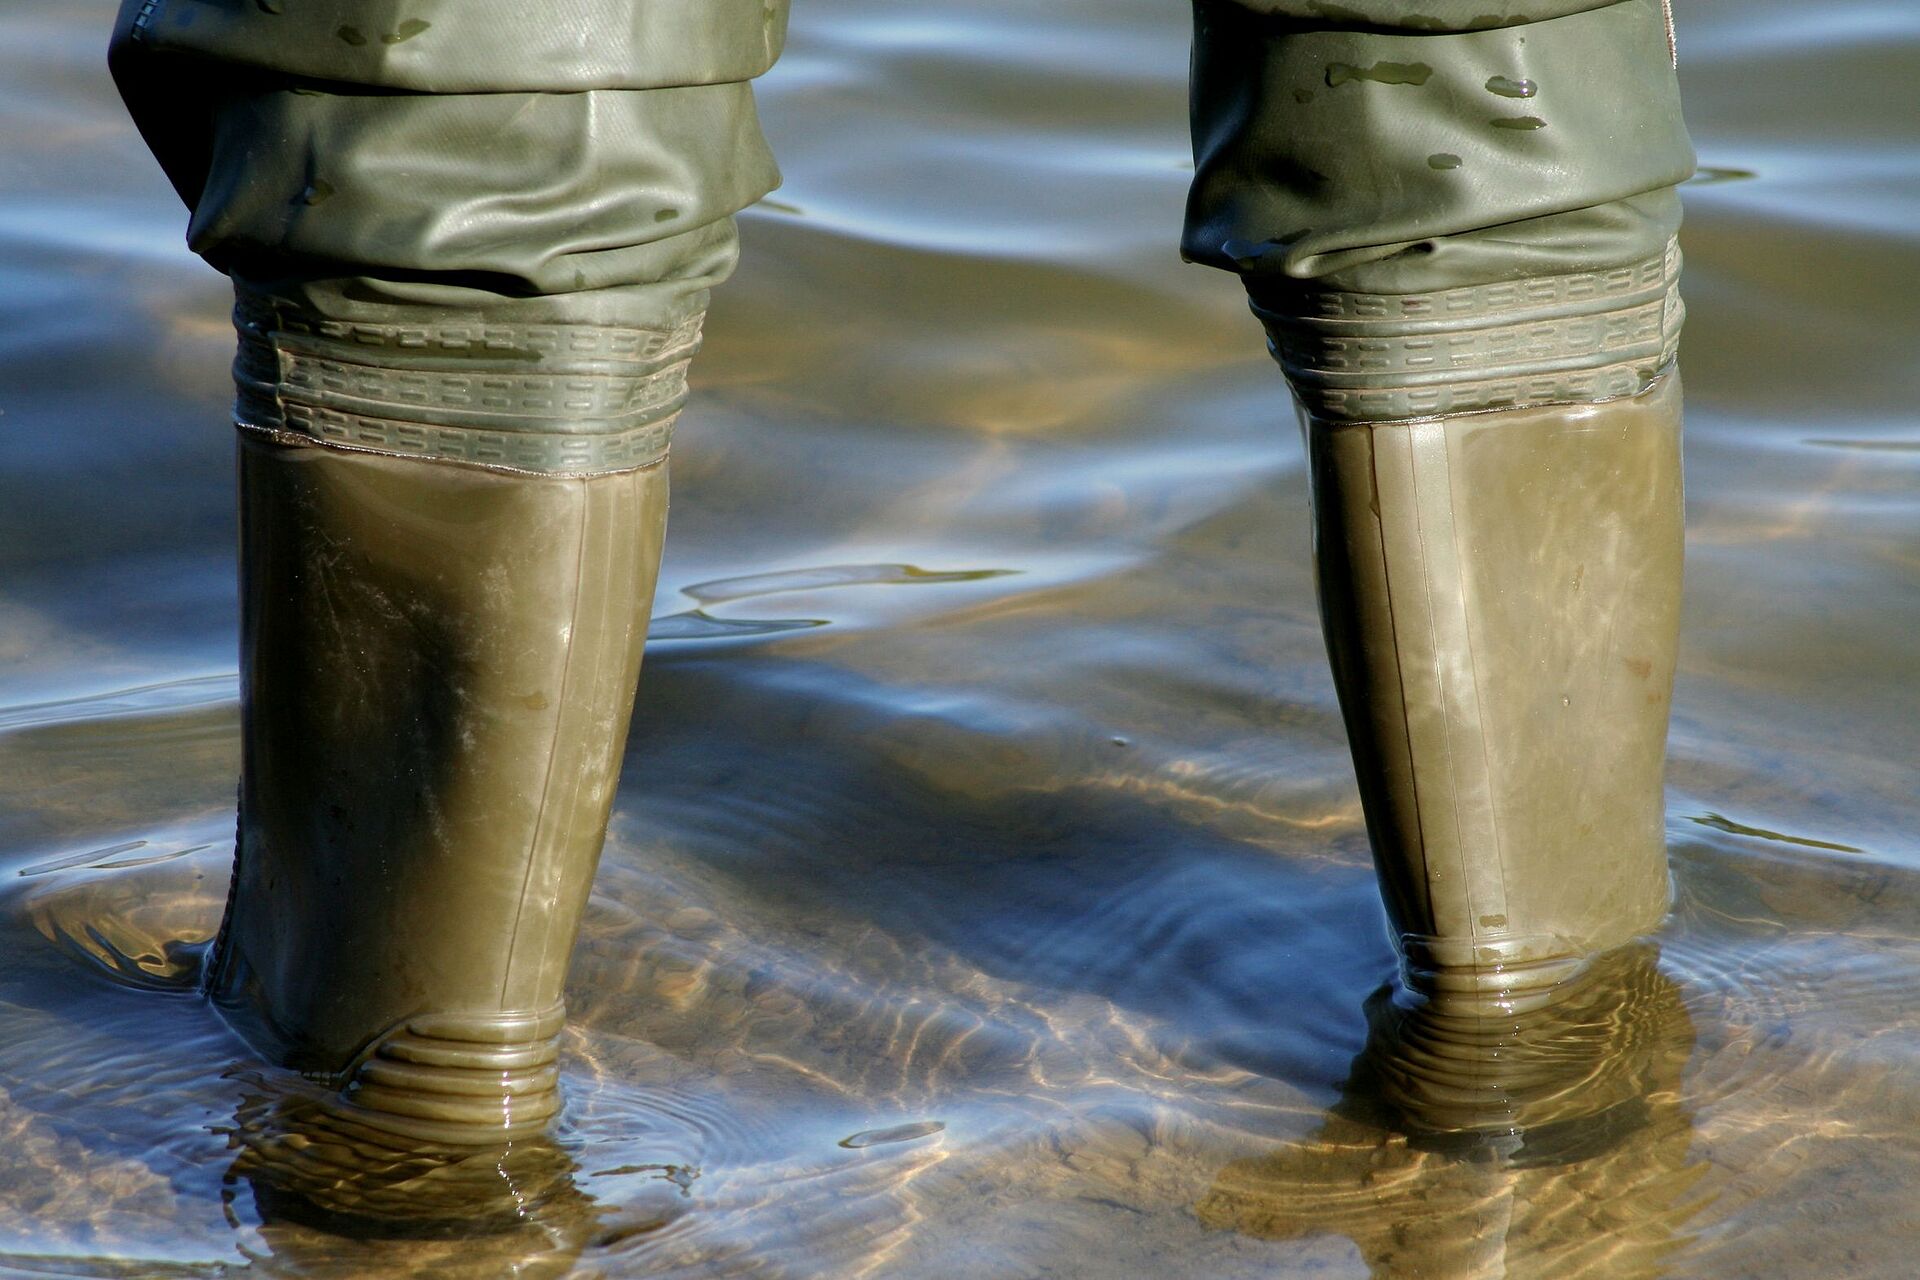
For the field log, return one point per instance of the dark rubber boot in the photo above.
(1501, 597)
(472, 245)
(438, 668)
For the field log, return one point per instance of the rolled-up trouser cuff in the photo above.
(1322, 148)
(1449, 211)
(558, 399)
(460, 229)
(1371, 357)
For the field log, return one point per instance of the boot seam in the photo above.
(1400, 675)
(543, 809)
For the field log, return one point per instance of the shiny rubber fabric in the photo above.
(1438, 210)
(438, 666)
(453, 216)
(1501, 598)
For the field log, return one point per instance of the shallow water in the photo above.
(987, 894)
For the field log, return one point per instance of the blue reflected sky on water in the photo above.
(1063, 856)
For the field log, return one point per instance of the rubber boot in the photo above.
(1458, 232)
(1501, 598)
(472, 245)
(438, 666)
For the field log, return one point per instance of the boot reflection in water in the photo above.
(310, 1176)
(1551, 1143)
(470, 260)
(1460, 239)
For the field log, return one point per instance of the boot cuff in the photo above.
(570, 399)
(1583, 337)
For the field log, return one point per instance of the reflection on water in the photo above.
(1584, 1063)
(309, 1180)
(699, 624)
(1552, 1143)
(1018, 923)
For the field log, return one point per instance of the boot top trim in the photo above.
(1576, 338)
(551, 454)
(551, 399)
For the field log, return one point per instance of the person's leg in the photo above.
(471, 246)
(1458, 231)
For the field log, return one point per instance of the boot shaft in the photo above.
(1500, 593)
(438, 667)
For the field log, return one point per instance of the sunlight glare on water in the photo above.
(987, 894)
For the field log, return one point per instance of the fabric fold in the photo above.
(1465, 208)
(465, 231)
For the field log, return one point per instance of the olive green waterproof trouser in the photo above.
(1444, 205)
(482, 235)
(379, 178)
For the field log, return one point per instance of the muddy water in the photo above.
(987, 895)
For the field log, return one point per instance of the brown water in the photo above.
(987, 895)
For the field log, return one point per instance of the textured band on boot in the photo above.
(1568, 339)
(448, 1077)
(1490, 976)
(550, 399)
(1569, 1070)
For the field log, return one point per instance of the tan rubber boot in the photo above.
(438, 666)
(1501, 597)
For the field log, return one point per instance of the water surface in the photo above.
(987, 894)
